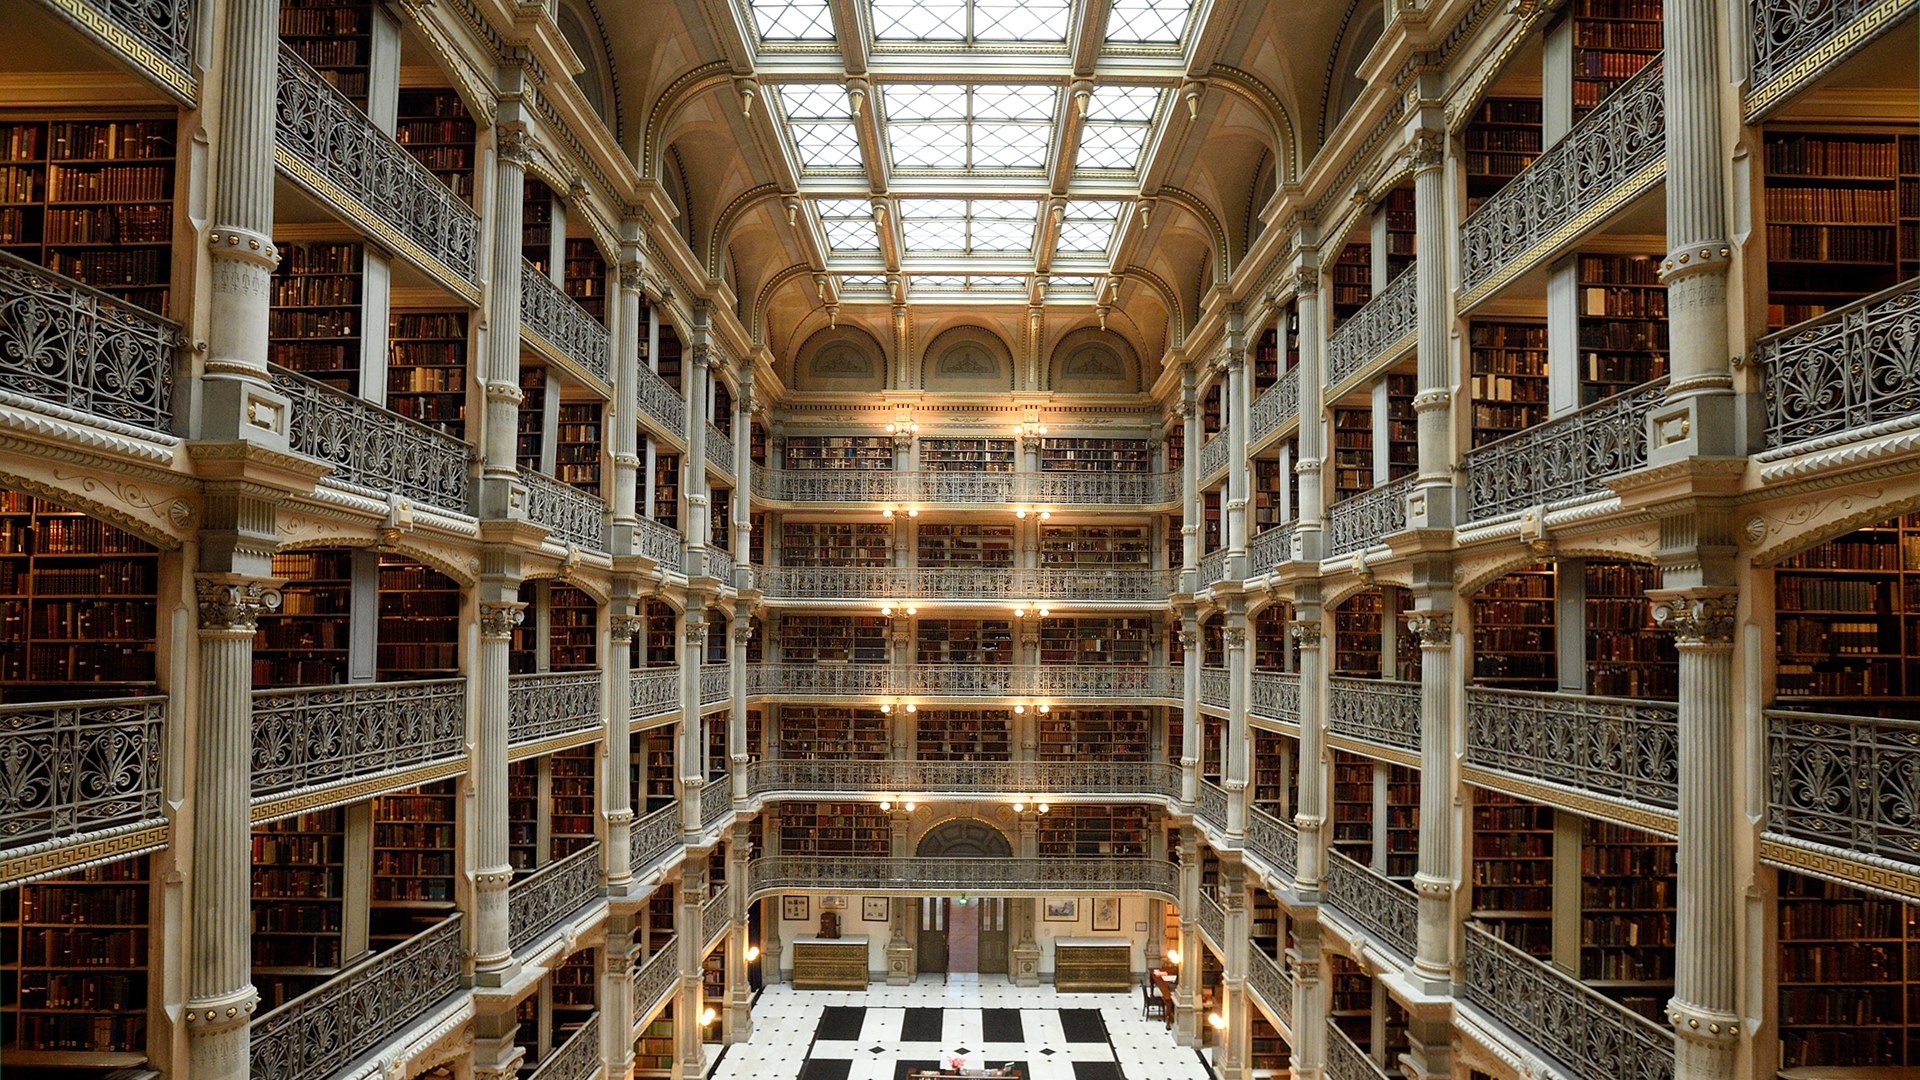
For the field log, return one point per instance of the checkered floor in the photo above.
(884, 1032)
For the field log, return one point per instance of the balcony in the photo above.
(659, 400)
(569, 515)
(1367, 519)
(716, 684)
(1613, 155)
(1213, 455)
(545, 898)
(1274, 840)
(715, 913)
(1345, 1061)
(652, 836)
(74, 347)
(1845, 782)
(577, 1059)
(1585, 1034)
(859, 487)
(1569, 457)
(1613, 748)
(550, 706)
(653, 692)
(719, 451)
(374, 450)
(1276, 408)
(1276, 696)
(1272, 984)
(1381, 712)
(1213, 568)
(991, 876)
(1378, 332)
(719, 565)
(1792, 44)
(157, 36)
(1108, 682)
(323, 1031)
(1846, 371)
(1216, 688)
(653, 980)
(73, 768)
(1370, 900)
(666, 547)
(1118, 779)
(320, 736)
(1269, 548)
(333, 150)
(562, 328)
(716, 800)
(1210, 806)
(1001, 584)
(1212, 919)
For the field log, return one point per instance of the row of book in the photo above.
(138, 224)
(1811, 155)
(116, 663)
(145, 183)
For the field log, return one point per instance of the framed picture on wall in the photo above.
(873, 909)
(1067, 910)
(795, 908)
(833, 903)
(1106, 913)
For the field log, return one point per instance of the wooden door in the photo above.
(993, 935)
(933, 934)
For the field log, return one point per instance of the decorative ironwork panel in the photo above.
(719, 564)
(716, 683)
(1585, 1033)
(1276, 696)
(716, 800)
(653, 979)
(1130, 490)
(1122, 778)
(966, 679)
(577, 1059)
(1273, 840)
(565, 511)
(66, 344)
(538, 902)
(1608, 746)
(376, 449)
(1794, 41)
(831, 485)
(719, 450)
(1114, 681)
(163, 26)
(1274, 408)
(1212, 920)
(1389, 910)
(1564, 458)
(1849, 781)
(1214, 453)
(1345, 1061)
(1054, 583)
(320, 1032)
(850, 582)
(550, 704)
(653, 692)
(974, 875)
(965, 487)
(1384, 712)
(666, 547)
(72, 767)
(935, 583)
(652, 836)
(1216, 687)
(1273, 984)
(547, 310)
(661, 401)
(1369, 333)
(1213, 567)
(1853, 366)
(1210, 805)
(1269, 548)
(1366, 519)
(317, 125)
(715, 912)
(827, 679)
(325, 734)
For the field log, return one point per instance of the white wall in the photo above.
(1134, 911)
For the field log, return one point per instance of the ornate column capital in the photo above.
(633, 277)
(695, 631)
(1434, 628)
(1189, 638)
(625, 627)
(234, 605)
(1235, 637)
(1427, 150)
(742, 632)
(1306, 632)
(498, 618)
(1697, 617)
(515, 145)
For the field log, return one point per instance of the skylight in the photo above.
(1071, 285)
(848, 224)
(967, 282)
(792, 20)
(1118, 120)
(971, 21)
(1087, 228)
(968, 226)
(953, 128)
(821, 124)
(1148, 22)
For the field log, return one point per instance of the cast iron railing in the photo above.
(653, 979)
(1369, 334)
(1213, 567)
(1212, 920)
(1033, 778)
(70, 345)
(1213, 454)
(1369, 899)
(661, 401)
(1269, 548)
(653, 835)
(716, 683)
(550, 704)
(577, 1059)
(541, 900)
(1385, 712)
(1607, 746)
(972, 583)
(74, 767)
(1849, 782)
(380, 451)
(1852, 367)
(1127, 682)
(1276, 696)
(547, 310)
(1210, 805)
(1273, 408)
(1132, 490)
(1793, 42)
(1216, 687)
(1361, 521)
(1345, 1061)
(716, 799)
(312, 735)
(664, 546)
(1584, 1032)
(1272, 982)
(1273, 840)
(653, 692)
(979, 876)
(1565, 458)
(719, 451)
(571, 515)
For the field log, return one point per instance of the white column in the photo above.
(501, 364)
(693, 729)
(1235, 771)
(1311, 816)
(739, 994)
(616, 785)
(623, 419)
(1434, 877)
(1312, 437)
(1190, 721)
(738, 757)
(492, 866)
(1432, 505)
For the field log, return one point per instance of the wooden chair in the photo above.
(1151, 1005)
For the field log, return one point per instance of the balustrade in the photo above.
(971, 583)
(716, 800)
(1101, 681)
(1847, 369)
(1384, 712)
(1381, 328)
(568, 513)
(577, 1059)
(719, 451)
(163, 28)
(1210, 806)
(1272, 983)
(716, 684)
(1213, 567)
(666, 547)
(1585, 1033)
(1849, 782)
(1276, 696)
(1212, 920)
(653, 692)
(560, 321)
(1134, 779)
(1565, 458)
(552, 704)
(1611, 747)
(379, 451)
(70, 345)
(1131, 490)
(1366, 519)
(1269, 548)
(312, 735)
(715, 913)
(661, 401)
(652, 836)
(541, 900)
(1792, 43)
(1274, 840)
(720, 565)
(1213, 455)
(653, 979)
(1374, 902)
(74, 767)
(1274, 408)
(978, 876)
(1345, 1061)
(1216, 688)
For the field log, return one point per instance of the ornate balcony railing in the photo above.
(1273, 840)
(332, 147)
(1345, 1061)
(541, 900)
(1384, 712)
(1847, 369)
(1213, 567)
(1272, 409)
(1131, 490)
(151, 31)
(1272, 982)
(1607, 746)
(1366, 519)
(1793, 43)
(716, 684)
(973, 583)
(979, 876)
(1107, 681)
(653, 979)
(716, 799)
(661, 401)
(1098, 488)
(1276, 696)
(313, 735)
(547, 310)
(74, 767)
(1210, 805)
(719, 451)
(1845, 781)
(1390, 910)
(1582, 1031)
(965, 487)
(321, 1032)
(1216, 687)
(831, 485)
(66, 344)
(664, 546)
(1138, 779)
(1213, 454)
(719, 564)
(1597, 166)
(714, 915)
(1384, 325)
(375, 449)
(568, 513)
(1212, 920)
(653, 835)
(1269, 548)
(550, 704)
(653, 692)
(1564, 458)
(577, 1059)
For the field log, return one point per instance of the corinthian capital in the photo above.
(625, 627)
(1433, 628)
(497, 619)
(1696, 616)
(515, 144)
(1306, 633)
(1426, 150)
(235, 605)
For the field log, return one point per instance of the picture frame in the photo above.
(873, 909)
(795, 908)
(1061, 910)
(833, 903)
(1106, 913)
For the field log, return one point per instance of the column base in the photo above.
(900, 964)
(1024, 969)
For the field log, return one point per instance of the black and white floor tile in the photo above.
(884, 1032)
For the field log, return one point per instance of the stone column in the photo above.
(1190, 721)
(1186, 1018)
(1235, 773)
(1239, 419)
(693, 729)
(739, 994)
(1311, 998)
(1436, 872)
(1310, 816)
(1232, 1063)
(501, 365)
(902, 960)
(1705, 1006)
(492, 866)
(738, 754)
(743, 406)
(1191, 436)
(220, 994)
(770, 943)
(1025, 965)
(616, 998)
(615, 779)
(690, 1000)
(629, 339)
(1432, 505)
(699, 522)
(1312, 437)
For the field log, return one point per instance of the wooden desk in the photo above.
(1164, 983)
(1092, 964)
(830, 963)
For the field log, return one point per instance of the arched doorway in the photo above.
(966, 937)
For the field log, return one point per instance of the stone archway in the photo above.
(964, 838)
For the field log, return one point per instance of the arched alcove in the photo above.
(967, 359)
(964, 838)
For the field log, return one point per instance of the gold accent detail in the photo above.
(307, 800)
(83, 851)
(327, 190)
(178, 81)
(1652, 819)
(1785, 852)
(1631, 189)
(1845, 41)
(1372, 367)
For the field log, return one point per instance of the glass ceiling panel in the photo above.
(1023, 21)
(1118, 120)
(792, 20)
(1087, 228)
(848, 224)
(955, 128)
(1148, 22)
(961, 282)
(968, 226)
(821, 123)
(1071, 285)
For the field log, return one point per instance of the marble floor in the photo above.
(882, 1032)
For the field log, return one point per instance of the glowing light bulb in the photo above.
(707, 1017)
(1045, 709)
(886, 609)
(1216, 1021)
(753, 953)
(911, 807)
(886, 804)
(1042, 808)
(1019, 807)
(1021, 514)
(913, 708)
(1019, 710)
(1173, 956)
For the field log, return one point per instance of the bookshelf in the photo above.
(667, 366)
(1627, 654)
(828, 543)
(1623, 324)
(92, 199)
(963, 735)
(298, 895)
(1849, 991)
(435, 127)
(1090, 640)
(832, 732)
(1086, 829)
(314, 326)
(965, 455)
(1266, 360)
(653, 1050)
(666, 490)
(1627, 895)
(812, 453)
(720, 524)
(1092, 735)
(1269, 492)
(1352, 452)
(304, 642)
(572, 640)
(584, 276)
(1100, 455)
(419, 622)
(661, 766)
(1403, 434)
(1403, 822)
(536, 225)
(1266, 926)
(1513, 631)
(575, 990)
(964, 641)
(756, 443)
(73, 968)
(1612, 40)
(713, 974)
(965, 545)
(835, 828)
(530, 440)
(1096, 547)
(576, 447)
(414, 862)
(78, 604)
(523, 814)
(427, 369)
(1847, 621)
(1398, 210)
(860, 639)
(722, 408)
(1357, 635)
(1843, 218)
(1273, 648)
(1276, 778)
(658, 644)
(336, 37)
(570, 820)
(1509, 378)
(1352, 281)
(1353, 806)
(1213, 760)
(1513, 870)
(1350, 1003)
(1500, 141)
(1268, 1055)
